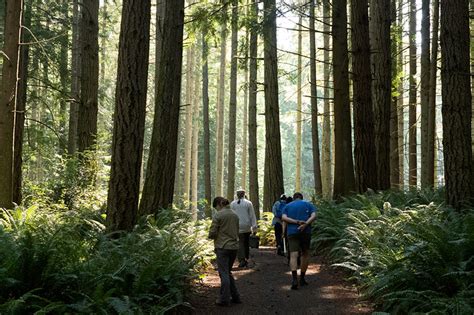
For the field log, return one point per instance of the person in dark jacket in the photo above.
(224, 231)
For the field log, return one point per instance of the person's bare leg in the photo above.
(304, 266)
(294, 268)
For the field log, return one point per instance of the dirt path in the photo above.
(265, 289)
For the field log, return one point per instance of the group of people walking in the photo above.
(233, 224)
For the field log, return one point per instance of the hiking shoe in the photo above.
(236, 300)
(221, 303)
(243, 264)
(294, 285)
(303, 282)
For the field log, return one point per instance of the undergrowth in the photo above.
(56, 262)
(408, 251)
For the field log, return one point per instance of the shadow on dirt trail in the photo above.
(265, 289)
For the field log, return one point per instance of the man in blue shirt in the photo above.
(299, 215)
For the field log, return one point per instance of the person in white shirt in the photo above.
(247, 224)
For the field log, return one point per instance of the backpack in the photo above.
(279, 210)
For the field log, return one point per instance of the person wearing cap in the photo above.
(299, 215)
(224, 231)
(247, 224)
(277, 211)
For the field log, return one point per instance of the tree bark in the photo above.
(9, 98)
(189, 107)
(314, 104)
(427, 161)
(245, 120)
(75, 80)
(253, 156)
(220, 108)
(88, 109)
(364, 133)
(394, 154)
(273, 177)
(232, 102)
(299, 104)
(20, 110)
(129, 118)
(401, 97)
(381, 87)
(63, 78)
(159, 183)
(432, 92)
(195, 151)
(412, 125)
(344, 181)
(205, 113)
(457, 104)
(326, 169)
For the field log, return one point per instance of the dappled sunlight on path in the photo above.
(265, 289)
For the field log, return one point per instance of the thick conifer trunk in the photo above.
(205, 113)
(160, 176)
(129, 117)
(232, 102)
(314, 103)
(344, 181)
(220, 109)
(75, 80)
(88, 108)
(364, 146)
(273, 177)
(326, 163)
(8, 98)
(253, 157)
(412, 123)
(427, 160)
(381, 87)
(457, 99)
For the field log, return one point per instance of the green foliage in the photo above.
(266, 230)
(407, 251)
(63, 262)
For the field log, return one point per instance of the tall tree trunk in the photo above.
(427, 161)
(129, 118)
(63, 78)
(457, 100)
(412, 151)
(401, 97)
(394, 154)
(273, 177)
(432, 92)
(314, 103)
(344, 181)
(381, 87)
(205, 113)
(88, 109)
(75, 80)
(20, 110)
(195, 151)
(159, 183)
(364, 146)
(326, 169)
(220, 109)
(189, 123)
(253, 157)
(103, 43)
(9, 98)
(245, 120)
(299, 104)
(232, 102)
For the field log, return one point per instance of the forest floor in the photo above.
(265, 289)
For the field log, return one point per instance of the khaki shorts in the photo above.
(299, 242)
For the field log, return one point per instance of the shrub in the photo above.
(408, 252)
(265, 229)
(63, 262)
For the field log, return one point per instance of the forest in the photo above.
(122, 120)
